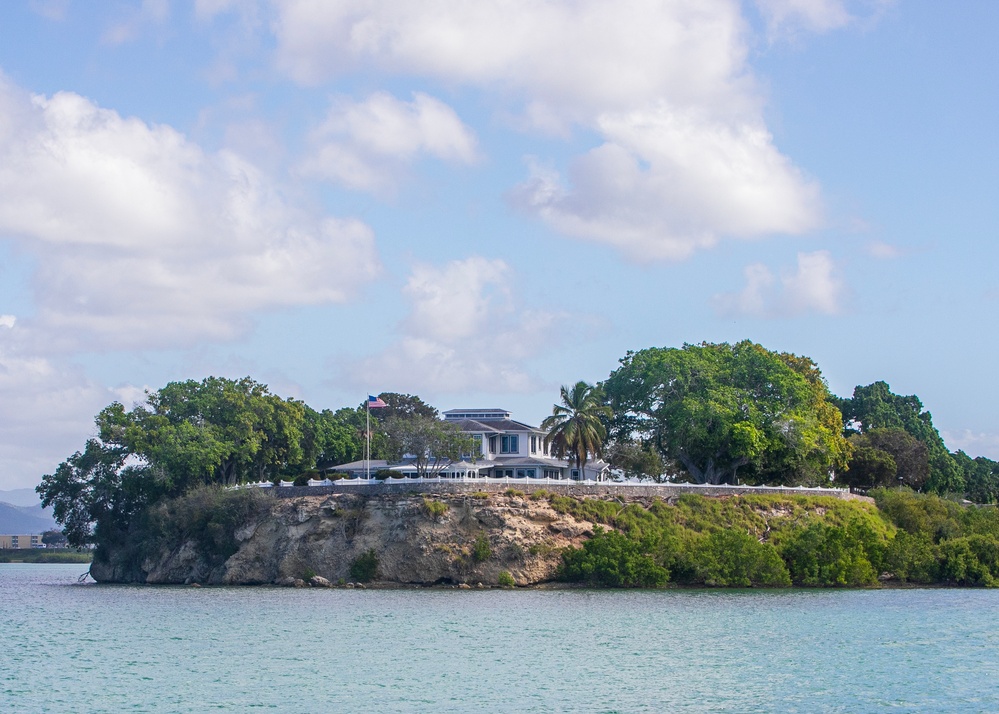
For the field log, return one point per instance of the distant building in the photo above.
(20, 542)
(504, 448)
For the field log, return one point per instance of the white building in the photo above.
(505, 448)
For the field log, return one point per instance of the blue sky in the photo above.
(479, 202)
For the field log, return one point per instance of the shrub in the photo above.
(730, 558)
(821, 555)
(913, 558)
(434, 509)
(973, 560)
(540, 494)
(207, 515)
(543, 548)
(480, 495)
(382, 474)
(505, 579)
(365, 567)
(481, 550)
(611, 559)
(514, 492)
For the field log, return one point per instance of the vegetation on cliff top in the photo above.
(776, 541)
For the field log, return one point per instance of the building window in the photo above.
(551, 473)
(510, 444)
(534, 444)
(492, 444)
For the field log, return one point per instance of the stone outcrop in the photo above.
(414, 539)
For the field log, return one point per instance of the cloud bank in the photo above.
(143, 239)
(683, 155)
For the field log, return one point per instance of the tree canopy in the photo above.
(876, 407)
(432, 442)
(729, 412)
(887, 458)
(217, 432)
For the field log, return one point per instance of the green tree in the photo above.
(876, 407)
(215, 431)
(432, 442)
(981, 477)
(714, 409)
(636, 460)
(575, 428)
(95, 496)
(888, 457)
(404, 406)
(330, 438)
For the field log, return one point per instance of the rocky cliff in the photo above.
(410, 538)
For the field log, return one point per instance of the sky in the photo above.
(480, 202)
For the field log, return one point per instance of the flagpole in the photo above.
(367, 433)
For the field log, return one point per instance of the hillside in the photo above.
(24, 520)
(23, 497)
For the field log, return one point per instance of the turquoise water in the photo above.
(95, 648)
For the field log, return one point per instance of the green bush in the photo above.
(514, 493)
(481, 550)
(505, 579)
(731, 558)
(611, 559)
(364, 569)
(435, 509)
(913, 558)
(823, 555)
(209, 516)
(972, 560)
(382, 474)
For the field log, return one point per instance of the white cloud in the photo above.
(127, 29)
(464, 332)
(685, 156)
(882, 250)
(787, 17)
(363, 145)
(7, 321)
(144, 239)
(46, 413)
(666, 184)
(814, 287)
(812, 15)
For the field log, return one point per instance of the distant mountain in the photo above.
(21, 520)
(25, 497)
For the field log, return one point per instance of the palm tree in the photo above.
(574, 428)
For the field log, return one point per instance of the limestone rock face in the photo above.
(415, 539)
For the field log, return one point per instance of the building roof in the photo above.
(488, 414)
(375, 464)
(496, 426)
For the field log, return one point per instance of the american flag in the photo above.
(375, 402)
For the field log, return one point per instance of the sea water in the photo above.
(69, 647)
